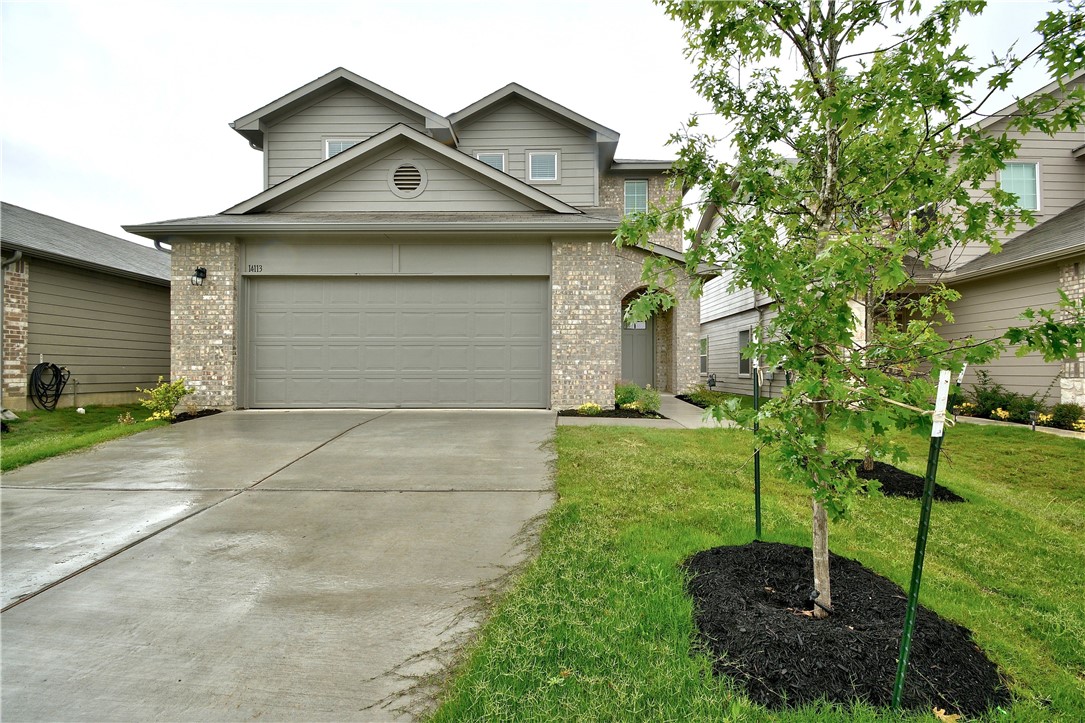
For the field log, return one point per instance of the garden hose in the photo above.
(47, 384)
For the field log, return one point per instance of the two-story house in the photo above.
(1048, 177)
(400, 258)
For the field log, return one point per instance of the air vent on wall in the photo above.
(408, 180)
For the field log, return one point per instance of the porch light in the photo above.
(711, 381)
(198, 276)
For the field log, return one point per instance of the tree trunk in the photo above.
(821, 560)
(868, 462)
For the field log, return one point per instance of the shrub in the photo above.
(589, 408)
(164, 398)
(956, 398)
(1019, 408)
(966, 409)
(126, 418)
(628, 395)
(1064, 416)
(1044, 420)
(989, 396)
(1000, 413)
(625, 393)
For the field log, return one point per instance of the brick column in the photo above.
(203, 320)
(16, 293)
(1072, 381)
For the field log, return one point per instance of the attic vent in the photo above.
(408, 180)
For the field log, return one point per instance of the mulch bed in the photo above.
(185, 416)
(896, 482)
(613, 414)
(688, 400)
(749, 612)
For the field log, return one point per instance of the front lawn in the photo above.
(39, 434)
(599, 626)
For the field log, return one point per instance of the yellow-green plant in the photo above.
(589, 408)
(1001, 414)
(163, 399)
(126, 418)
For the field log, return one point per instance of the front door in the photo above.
(638, 352)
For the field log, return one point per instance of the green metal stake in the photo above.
(756, 452)
(921, 537)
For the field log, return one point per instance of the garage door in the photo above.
(398, 342)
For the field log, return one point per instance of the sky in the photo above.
(116, 112)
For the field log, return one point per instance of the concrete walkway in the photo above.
(679, 415)
(271, 565)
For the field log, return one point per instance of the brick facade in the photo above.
(660, 193)
(15, 333)
(1072, 381)
(203, 320)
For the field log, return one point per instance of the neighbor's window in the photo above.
(636, 197)
(542, 166)
(496, 159)
(704, 355)
(335, 146)
(743, 342)
(1022, 180)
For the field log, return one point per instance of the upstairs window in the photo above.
(636, 197)
(335, 146)
(1022, 180)
(542, 166)
(743, 342)
(495, 159)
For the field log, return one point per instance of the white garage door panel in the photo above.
(392, 342)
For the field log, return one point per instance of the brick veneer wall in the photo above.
(203, 321)
(660, 193)
(16, 329)
(1072, 382)
(589, 281)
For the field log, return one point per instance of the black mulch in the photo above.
(185, 416)
(896, 482)
(750, 599)
(613, 413)
(688, 400)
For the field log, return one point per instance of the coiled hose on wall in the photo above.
(47, 384)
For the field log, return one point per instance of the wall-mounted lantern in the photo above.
(198, 276)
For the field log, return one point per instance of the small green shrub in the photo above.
(164, 398)
(1020, 406)
(625, 393)
(1064, 416)
(956, 398)
(989, 396)
(649, 398)
(589, 408)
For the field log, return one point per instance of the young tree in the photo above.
(842, 182)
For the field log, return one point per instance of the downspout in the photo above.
(3, 302)
(158, 245)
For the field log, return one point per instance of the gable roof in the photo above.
(1058, 237)
(1011, 109)
(251, 125)
(45, 237)
(355, 156)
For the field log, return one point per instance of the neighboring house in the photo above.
(84, 300)
(1048, 176)
(401, 258)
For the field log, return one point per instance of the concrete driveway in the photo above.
(262, 565)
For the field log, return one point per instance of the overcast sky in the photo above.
(116, 112)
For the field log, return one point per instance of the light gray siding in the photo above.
(112, 333)
(1062, 180)
(723, 353)
(519, 128)
(717, 303)
(369, 189)
(988, 307)
(295, 143)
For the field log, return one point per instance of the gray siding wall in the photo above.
(368, 189)
(723, 353)
(1062, 180)
(518, 128)
(296, 143)
(990, 306)
(717, 303)
(112, 333)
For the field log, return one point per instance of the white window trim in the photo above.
(1039, 186)
(749, 362)
(339, 139)
(557, 165)
(625, 193)
(504, 158)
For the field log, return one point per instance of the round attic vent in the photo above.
(408, 180)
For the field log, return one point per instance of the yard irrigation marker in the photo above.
(921, 537)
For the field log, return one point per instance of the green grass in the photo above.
(39, 434)
(598, 626)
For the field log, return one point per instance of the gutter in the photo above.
(159, 231)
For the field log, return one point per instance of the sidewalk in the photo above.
(1046, 430)
(679, 415)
